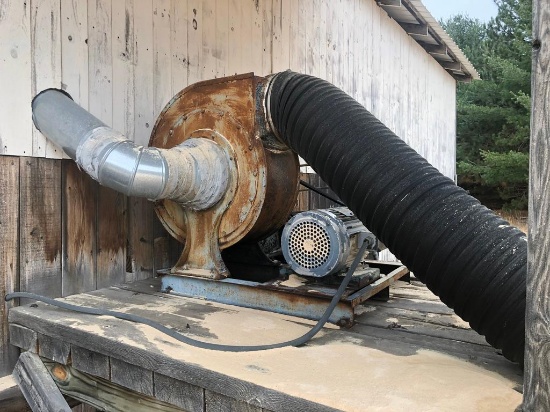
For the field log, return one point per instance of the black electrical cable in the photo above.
(193, 342)
(314, 189)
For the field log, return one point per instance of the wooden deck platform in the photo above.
(410, 353)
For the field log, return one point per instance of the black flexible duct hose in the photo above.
(468, 256)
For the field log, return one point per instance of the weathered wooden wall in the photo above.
(123, 60)
(62, 234)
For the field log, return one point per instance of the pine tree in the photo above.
(493, 114)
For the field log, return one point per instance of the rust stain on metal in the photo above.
(266, 179)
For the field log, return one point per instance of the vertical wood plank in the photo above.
(194, 40)
(140, 229)
(24, 338)
(143, 71)
(123, 46)
(234, 36)
(112, 223)
(40, 226)
(323, 9)
(281, 35)
(537, 368)
(376, 61)
(79, 230)
(294, 44)
(74, 46)
(300, 39)
(46, 62)
(125, 99)
(91, 362)
(340, 46)
(312, 38)
(181, 394)
(141, 238)
(359, 50)
(266, 10)
(162, 61)
(255, 40)
(100, 68)
(179, 24)
(368, 54)
(222, 30)
(206, 52)
(15, 81)
(111, 237)
(9, 253)
(332, 41)
(132, 377)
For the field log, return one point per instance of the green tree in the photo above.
(493, 114)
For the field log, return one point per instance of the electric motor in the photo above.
(322, 242)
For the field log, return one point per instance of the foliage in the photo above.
(493, 114)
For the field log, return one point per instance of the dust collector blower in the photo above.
(222, 168)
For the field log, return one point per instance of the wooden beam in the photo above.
(37, 385)
(455, 66)
(435, 48)
(537, 328)
(389, 3)
(101, 393)
(416, 29)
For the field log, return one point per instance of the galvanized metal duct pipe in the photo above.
(472, 259)
(194, 173)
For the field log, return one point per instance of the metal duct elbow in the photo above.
(194, 173)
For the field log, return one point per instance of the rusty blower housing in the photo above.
(264, 178)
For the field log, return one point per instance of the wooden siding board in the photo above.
(222, 43)
(162, 60)
(111, 222)
(74, 46)
(123, 46)
(15, 81)
(143, 71)
(194, 41)
(178, 44)
(111, 237)
(181, 394)
(141, 238)
(266, 10)
(9, 253)
(40, 226)
(206, 52)
(46, 62)
(54, 349)
(254, 61)
(132, 377)
(234, 35)
(281, 34)
(79, 230)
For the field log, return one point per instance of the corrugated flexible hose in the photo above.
(468, 256)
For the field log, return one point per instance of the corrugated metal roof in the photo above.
(419, 23)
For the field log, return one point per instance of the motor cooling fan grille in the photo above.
(309, 245)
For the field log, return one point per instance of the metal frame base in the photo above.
(295, 296)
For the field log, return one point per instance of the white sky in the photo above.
(479, 9)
